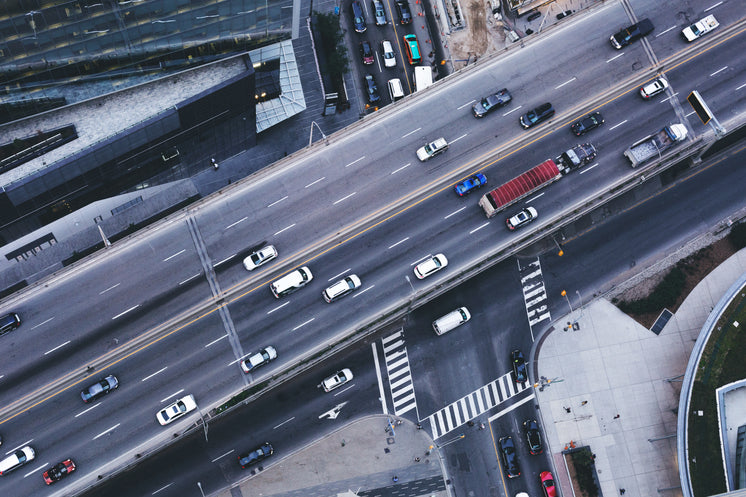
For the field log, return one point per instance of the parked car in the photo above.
(58, 471)
(547, 483)
(533, 436)
(387, 52)
(260, 257)
(469, 184)
(589, 122)
(491, 102)
(536, 116)
(371, 89)
(358, 17)
(99, 389)
(522, 218)
(519, 366)
(264, 356)
(632, 33)
(346, 285)
(412, 49)
(430, 265)
(379, 12)
(509, 457)
(396, 90)
(366, 53)
(337, 380)
(430, 150)
(257, 455)
(658, 85)
(176, 410)
(402, 10)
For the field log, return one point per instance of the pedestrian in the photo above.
(621, 491)
(584, 403)
(214, 164)
(470, 423)
(567, 409)
(398, 422)
(616, 417)
(481, 426)
(419, 426)
(416, 459)
(395, 479)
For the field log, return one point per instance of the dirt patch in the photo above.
(482, 35)
(695, 268)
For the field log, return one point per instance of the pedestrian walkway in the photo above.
(619, 392)
(399, 373)
(470, 406)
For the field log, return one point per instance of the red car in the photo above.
(547, 483)
(59, 471)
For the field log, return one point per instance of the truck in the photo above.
(519, 187)
(655, 144)
(423, 77)
(704, 25)
(577, 156)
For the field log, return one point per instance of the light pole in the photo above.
(200, 489)
(571, 325)
(310, 136)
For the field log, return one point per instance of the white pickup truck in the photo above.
(704, 25)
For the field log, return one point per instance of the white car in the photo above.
(261, 256)
(658, 85)
(261, 358)
(522, 218)
(176, 410)
(337, 380)
(432, 149)
(387, 51)
(430, 265)
(341, 288)
(705, 25)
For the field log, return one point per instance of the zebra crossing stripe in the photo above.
(472, 408)
(479, 401)
(495, 392)
(399, 373)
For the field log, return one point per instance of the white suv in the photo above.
(341, 288)
(336, 381)
(291, 282)
(387, 51)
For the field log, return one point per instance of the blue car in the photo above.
(470, 184)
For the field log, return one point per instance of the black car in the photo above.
(402, 9)
(519, 366)
(539, 114)
(257, 455)
(589, 122)
(632, 33)
(99, 389)
(366, 52)
(491, 102)
(509, 457)
(533, 436)
(358, 17)
(371, 89)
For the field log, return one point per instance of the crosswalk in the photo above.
(534, 293)
(469, 407)
(399, 374)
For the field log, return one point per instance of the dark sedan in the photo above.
(536, 116)
(491, 102)
(371, 90)
(519, 366)
(533, 436)
(589, 122)
(257, 455)
(509, 457)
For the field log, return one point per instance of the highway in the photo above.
(444, 369)
(135, 312)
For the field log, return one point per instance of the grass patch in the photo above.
(722, 363)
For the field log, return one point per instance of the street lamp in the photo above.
(200, 489)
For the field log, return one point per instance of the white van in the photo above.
(452, 320)
(291, 282)
(16, 460)
(396, 91)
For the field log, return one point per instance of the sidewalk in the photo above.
(619, 388)
(361, 457)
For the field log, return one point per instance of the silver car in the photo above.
(378, 12)
(260, 257)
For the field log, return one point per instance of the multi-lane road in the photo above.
(148, 311)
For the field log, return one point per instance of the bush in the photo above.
(585, 469)
(665, 294)
(737, 235)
